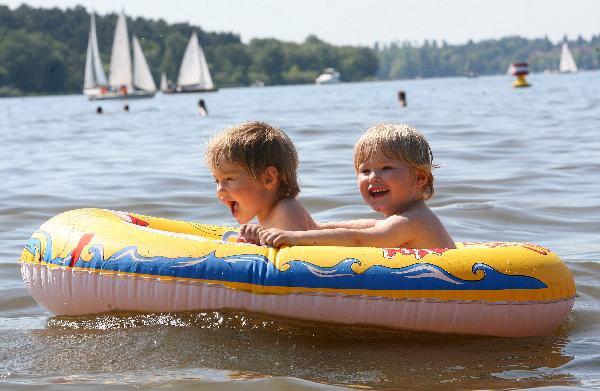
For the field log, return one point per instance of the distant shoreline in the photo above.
(43, 51)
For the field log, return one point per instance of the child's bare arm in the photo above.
(357, 224)
(288, 214)
(395, 231)
(250, 232)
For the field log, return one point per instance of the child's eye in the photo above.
(365, 172)
(386, 168)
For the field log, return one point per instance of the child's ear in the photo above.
(270, 177)
(421, 178)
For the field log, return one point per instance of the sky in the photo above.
(363, 22)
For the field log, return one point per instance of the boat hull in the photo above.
(189, 90)
(76, 292)
(92, 91)
(92, 261)
(326, 80)
(119, 95)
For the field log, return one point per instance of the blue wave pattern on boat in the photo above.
(34, 246)
(258, 270)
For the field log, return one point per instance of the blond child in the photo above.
(394, 170)
(254, 165)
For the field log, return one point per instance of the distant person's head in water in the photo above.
(99, 109)
(202, 110)
(402, 98)
(126, 108)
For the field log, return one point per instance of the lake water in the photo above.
(518, 165)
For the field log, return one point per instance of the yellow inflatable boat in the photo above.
(91, 261)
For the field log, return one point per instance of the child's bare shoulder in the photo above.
(423, 229)
(287, 205)
(290, 214)
(415, 214)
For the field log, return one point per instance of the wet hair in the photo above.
(254, 146)
(401, 142)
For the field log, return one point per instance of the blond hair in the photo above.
(254, 146)
(397, 141)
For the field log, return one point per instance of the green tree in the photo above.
(33, 63)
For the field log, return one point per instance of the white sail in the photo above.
(163, 82)
(94, 74)
(567, 62)
(89, 80)
(142, 78)
(194, 69)
(120, 59)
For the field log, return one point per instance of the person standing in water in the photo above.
(402, 98)
(202, 110)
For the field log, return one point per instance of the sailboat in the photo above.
(127, 80)
(194, 75)
(94, 80)
(567, 62)
(164, 85)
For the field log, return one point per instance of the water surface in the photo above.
(518, 165)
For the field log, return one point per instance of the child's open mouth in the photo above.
(234, 207)
(377, 192)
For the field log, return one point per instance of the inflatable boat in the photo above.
(90, 261)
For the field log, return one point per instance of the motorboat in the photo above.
(329, 76)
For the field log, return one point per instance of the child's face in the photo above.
(389, 185)
(245, 196)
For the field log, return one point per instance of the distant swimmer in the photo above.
(126, 108)
(402, 98)
(99, 109)
(202, 110)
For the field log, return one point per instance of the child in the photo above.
(393, 164)
(254, 165)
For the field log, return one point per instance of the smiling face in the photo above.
(245, 196)
(389, 185)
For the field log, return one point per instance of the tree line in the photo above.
(42, 51)
(488, 57)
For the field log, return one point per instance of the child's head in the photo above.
(399, 142)
(253, 147)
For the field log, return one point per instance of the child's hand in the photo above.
(249, 233)
(277, 237)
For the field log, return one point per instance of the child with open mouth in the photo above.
(254, 165)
